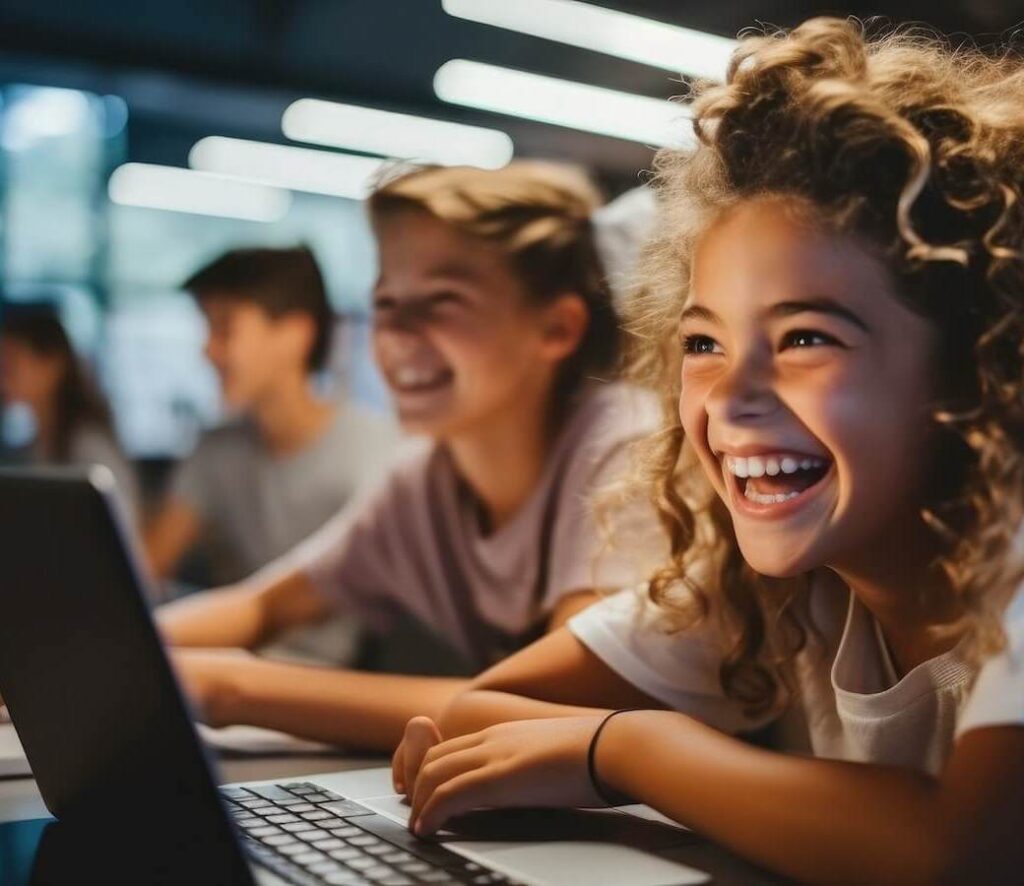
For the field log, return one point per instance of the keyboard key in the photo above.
(325, 867)
(415, 867)
(279, 840)
(275, 793)
(346, 878)
(299, 827)
(256, 803)
(345, 854)
(364, 840)
(345, 808)
(313, 835)
(293, 849)
(345, 832)
(394, 857)
(265, 831)
(302, 807)
(376, 874)
(316, 815)
(308, 857)
(362, 864)
(328, 843)
(236, 793)
(282, 818)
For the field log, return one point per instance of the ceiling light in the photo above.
(562, 102)
(284, 166)
(395, 135)
(676, 49)
(184, 190)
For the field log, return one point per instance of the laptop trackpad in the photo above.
(596, 864)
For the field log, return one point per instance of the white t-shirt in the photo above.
(854, 707)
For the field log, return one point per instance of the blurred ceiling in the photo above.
(197, 67)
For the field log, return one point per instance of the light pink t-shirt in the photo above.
(416, 546)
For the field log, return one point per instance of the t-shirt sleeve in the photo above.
(607, 535)
(997, 698)
(679, 669)
(353, 559)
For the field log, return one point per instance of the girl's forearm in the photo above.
(343, 707)
(479, 708)
(815, 820)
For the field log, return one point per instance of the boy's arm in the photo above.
(168, 536)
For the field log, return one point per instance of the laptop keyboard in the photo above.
(307, 835)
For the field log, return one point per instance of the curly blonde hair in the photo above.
(916, 148)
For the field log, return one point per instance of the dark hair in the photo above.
(78, 400)
(540, 215)
(280, 281)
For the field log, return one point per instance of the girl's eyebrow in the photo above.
(817, 306)
(785, 309)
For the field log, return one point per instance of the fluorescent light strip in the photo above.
(676, 49)
(562, 102)
(298, 169)
(395, 135)
(184, 190)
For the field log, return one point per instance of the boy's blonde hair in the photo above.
(917, 149)
(539, 213)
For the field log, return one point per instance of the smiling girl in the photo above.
(495, 332)
(839, 262)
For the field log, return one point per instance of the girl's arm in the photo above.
(343, 707)
(556, 676)
(243, 615)
(814, 820)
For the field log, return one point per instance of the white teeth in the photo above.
(408, 377)
(779, 498)
(772, 465)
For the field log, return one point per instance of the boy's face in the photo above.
(251, 351)
(805, 391)
(26, 375)
(455, 335)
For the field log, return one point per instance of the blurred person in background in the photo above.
(495, 331)
(71, 420)
(287, 459)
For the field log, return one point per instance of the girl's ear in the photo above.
(564, 323)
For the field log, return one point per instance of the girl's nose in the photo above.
(743, 392)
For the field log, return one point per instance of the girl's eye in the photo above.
(700, 344)
(807, 338)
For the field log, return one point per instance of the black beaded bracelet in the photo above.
(612, 799)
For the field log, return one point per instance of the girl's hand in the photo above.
(421, 734)
(522, 763)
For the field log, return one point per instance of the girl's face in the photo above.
(806, 387)
(455, 335)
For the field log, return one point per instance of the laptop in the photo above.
(111, 742)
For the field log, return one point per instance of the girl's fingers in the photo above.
(421, 734)
(398, 768)
(441, 770)
(474, 789)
